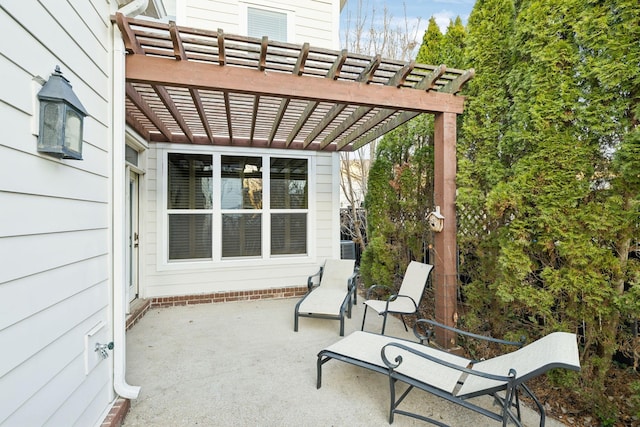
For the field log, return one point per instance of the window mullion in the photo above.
(266, 207)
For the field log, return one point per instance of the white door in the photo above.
(133, 235)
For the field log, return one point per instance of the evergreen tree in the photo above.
(557, 217)
(431, 48)
(453, 44)
(482, 160)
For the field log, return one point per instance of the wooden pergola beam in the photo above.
(298, 69)
(129, 38)
(308, 111)
(387, 127)
(262, 63)
(336, 68)
(400, 77)
(372, 122)
(359, 113)
(222, 58)
(254, 116)
(225, 141)
(191, 74)
(455, 85)
(278, 119)
(429, 81)
(367, 73)
(178, 49)
(227, 110)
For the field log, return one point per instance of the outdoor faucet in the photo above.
(102, 349)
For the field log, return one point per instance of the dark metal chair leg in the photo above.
(404, 323)
(364, 316)
(392, 393)
(384, 322)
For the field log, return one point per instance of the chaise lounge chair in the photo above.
(407, 300)
(333, 296)
(452, 377)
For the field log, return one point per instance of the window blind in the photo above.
(261, 22)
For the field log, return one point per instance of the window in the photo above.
(289, 195)
(258, 211)
(262, 22)
(189, 206)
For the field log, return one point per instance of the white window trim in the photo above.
(162, 249)
(243, 17)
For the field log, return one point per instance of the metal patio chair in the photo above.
(334, 294)
(406, 301)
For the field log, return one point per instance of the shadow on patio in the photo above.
(241, 364)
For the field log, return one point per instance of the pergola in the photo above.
(196, 86)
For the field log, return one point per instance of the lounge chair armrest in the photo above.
(429, 332)
(372, 288)
(396, 296)
(397, 361)
(310, 281)
(351, 282)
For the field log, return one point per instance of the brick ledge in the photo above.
(116, 415)
(231, 296)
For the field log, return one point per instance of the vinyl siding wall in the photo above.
(54, 218)
(162, 278)
(315, 21)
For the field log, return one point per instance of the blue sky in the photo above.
(442, 10)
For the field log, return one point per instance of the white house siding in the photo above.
(164, 278)
(54, 218)
(315, 21)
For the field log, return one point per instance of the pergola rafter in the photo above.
(195, 86)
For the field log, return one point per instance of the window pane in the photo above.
(241, 235)
(190, 181)
(268, 23)
(131, 155)
(288, 233)
(241, 183)
(189, 236)
(288, 183)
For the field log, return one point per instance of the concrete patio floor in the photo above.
(241, 364)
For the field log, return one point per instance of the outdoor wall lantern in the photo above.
(61, 119)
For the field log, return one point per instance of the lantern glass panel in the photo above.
(52, 126)
(73, 131)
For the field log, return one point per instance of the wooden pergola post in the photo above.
(445, 246)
